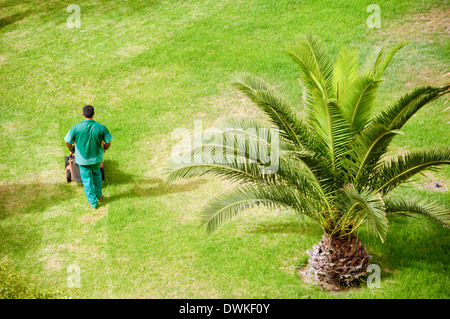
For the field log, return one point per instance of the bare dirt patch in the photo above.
(421, 29)
(426, 27)
(230, 103)
(93, 216)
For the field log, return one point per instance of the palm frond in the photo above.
(384, 58)
(345, 72)
(246, 172)
(238, 154)
(399, 205)
(225, 206)
(280, 112)
(252, 138)
(320, 170)
(366, 150)
(358, 103)
(403, 167)
(315, 63)
(332, 128)
(364, 205)
(406, 106)
(241, 156)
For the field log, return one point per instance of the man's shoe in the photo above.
(100, 199)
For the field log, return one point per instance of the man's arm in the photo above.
(70, 140)
(106, 146)
(106, 137)
(70, 147)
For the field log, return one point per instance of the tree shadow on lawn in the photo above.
(18, 235)
(142, 186)
(25, 198)
(424, 245)
(152, 187)
(406, 245)
(18, 240)
(294, 226)
(4, 22)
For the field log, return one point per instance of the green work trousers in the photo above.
(91, 177)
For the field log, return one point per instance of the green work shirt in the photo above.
(88, 137)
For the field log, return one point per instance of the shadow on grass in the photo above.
(25, 198)
(18, 235)
(412, 243)
(141, 186)
(17, 239)
(427, 241)
(152, 187)
(114, 175)
(271, 227)
(4, 22)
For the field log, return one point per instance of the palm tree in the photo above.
(332, 165)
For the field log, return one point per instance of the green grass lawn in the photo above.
(149, 67)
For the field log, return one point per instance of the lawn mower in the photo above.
(73, 170)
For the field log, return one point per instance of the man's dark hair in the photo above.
(88, 111)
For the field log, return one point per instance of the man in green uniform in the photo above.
(88, 137)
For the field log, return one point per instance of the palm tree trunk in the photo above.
(339, 263)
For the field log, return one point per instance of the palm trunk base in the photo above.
(339, 263)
